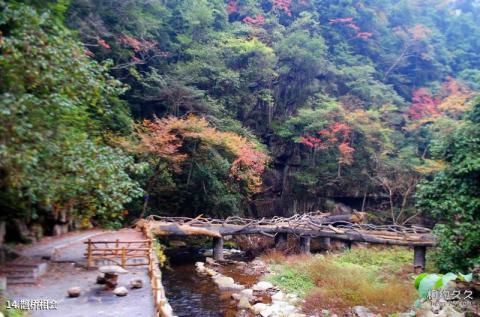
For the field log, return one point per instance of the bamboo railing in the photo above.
(121, 253)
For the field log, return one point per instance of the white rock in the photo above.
(248, 293)
(211, 272)
(136, 283)
(120, 291)
(262, 286)
(74, 291)
(258, 307)
(267, 312)
(222, 279)
(278, 296)
(243, 303)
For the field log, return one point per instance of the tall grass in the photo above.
(374, 278)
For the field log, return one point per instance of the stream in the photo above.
(192, 294)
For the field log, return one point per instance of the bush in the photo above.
(451, 196)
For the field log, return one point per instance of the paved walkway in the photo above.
(64, 272)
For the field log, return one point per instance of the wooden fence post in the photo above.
(89, 254)
(117, 245)
(124, 257)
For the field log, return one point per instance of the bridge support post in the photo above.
(326, 243)
(419, 258)
(348, 244)
(281, 240)
(305, 244)
(218, 249)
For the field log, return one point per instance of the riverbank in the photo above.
(334, 284)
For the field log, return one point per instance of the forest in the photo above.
(115, 110)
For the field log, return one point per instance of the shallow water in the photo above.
(191, 294)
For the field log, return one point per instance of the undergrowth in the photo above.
(378, 279)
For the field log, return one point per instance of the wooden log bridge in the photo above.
(347, 228)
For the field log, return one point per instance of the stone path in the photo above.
(93, 302)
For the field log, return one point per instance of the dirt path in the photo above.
(93, 302)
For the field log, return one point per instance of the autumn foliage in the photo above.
(258, 20)
(450, 101)
(166, 138)
(283, 5)
(335, 135)
(349, 23)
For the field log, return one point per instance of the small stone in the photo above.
(236, 296)
(136, 284)
(262, 286)
(74, 291)
(120, 291)
(243, 303)
(112, 269)
(221, 279)
(210, 261)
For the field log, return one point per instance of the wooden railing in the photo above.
(122, 253)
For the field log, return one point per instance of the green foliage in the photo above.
(425, 282)
(451, 196)
(57, 108)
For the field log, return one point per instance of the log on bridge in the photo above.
(348, 228)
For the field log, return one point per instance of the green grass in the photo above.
(390, 260)
(380, 279)
(291, 280)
